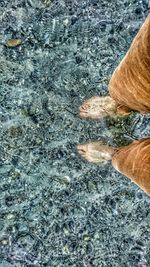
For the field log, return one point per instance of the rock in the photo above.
(14, 42)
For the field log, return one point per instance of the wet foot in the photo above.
(98, 107)
(96, 152)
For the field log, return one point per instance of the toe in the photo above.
(84, 108)
(81, 152)
(81, 149)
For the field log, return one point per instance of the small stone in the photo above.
(57, 43)
(78, 59)
(65, 22)
(138, 10)
(66, 231)
(66, 179)
(66, 249)
(4, 242)
(38, 140)
(86, 238)
(96, 236)
(51, 45)
(15, 131)
(10, 216)
(74, 19)
(14, 42)
(91, 186)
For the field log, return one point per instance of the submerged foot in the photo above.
(97, 107)
(96, 152)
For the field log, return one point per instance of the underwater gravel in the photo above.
(55, 208)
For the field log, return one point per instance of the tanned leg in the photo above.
(129, 87)
(132, 160)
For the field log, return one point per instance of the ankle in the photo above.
(123, 111)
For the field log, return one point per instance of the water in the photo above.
(56, 209)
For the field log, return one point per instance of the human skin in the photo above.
(130, 83)
(129, 86)
(129, 90)
(134, 162)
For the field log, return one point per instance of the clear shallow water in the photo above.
(56, 209)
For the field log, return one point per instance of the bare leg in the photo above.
(129, 84)
(132, 160)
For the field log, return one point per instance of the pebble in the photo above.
(14, 42)
(65, 250)
(66, 179)
(10, 216)
(4, 242)
(65, 22)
